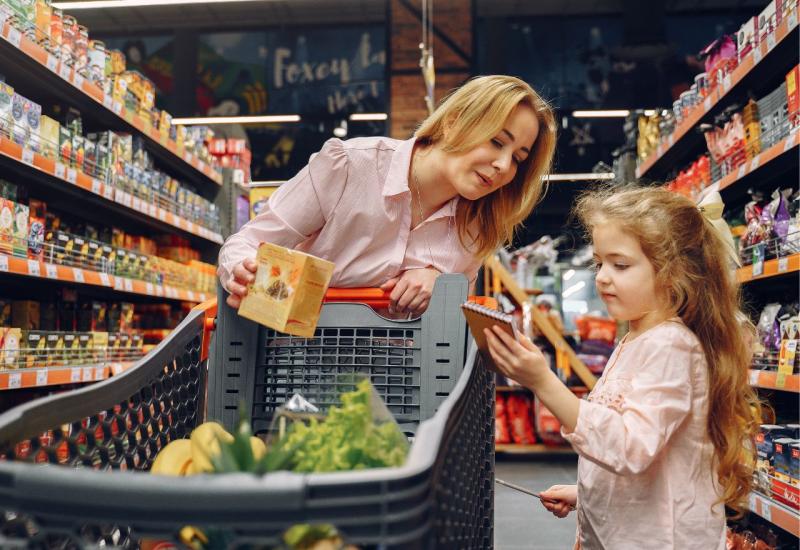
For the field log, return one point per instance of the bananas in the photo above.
(205, 445)
(173, 460)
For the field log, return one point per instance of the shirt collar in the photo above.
(397, 178)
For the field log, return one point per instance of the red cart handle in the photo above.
(373, 297)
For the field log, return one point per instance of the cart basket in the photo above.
(74, 469)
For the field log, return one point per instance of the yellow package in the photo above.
(288, 290)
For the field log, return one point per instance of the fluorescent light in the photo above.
(573, 289)
(368, 116)
(235, 119)
(102, 4)
(588, 176)
(649, 112)
(601, 114)
(266, 183)
(569, 274)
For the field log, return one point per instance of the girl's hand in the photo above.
(243, 274)
(560, 499)
(411, 290)
(519, 360)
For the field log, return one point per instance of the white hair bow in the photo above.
(712, 207)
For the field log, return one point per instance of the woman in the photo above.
(397, 214)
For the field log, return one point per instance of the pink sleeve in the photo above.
(295, 212)
(625, 428)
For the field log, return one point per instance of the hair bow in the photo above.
(711, 207)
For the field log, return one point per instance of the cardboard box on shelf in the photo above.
(5, 313)
(6, 226)
(10, 347)
(48, 137)
(6, 103)
(70, 342)
(26, 314)
(35, 345)
(55, 349)
(20, 233)
(99, 347)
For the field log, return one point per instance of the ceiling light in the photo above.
(649, 112)
(573, 289)
(589, 176)
(266, 183)
(368, 116)
(569, 274)
(102, 4)
(619, 113)
(265, 119)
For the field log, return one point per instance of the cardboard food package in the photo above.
(288, 290)
(10, 347)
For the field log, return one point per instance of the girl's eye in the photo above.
(596, 266)
(497, 143)
(516, 161)
(621, 267)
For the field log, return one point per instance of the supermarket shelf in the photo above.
(772, 268)
(133, 206)
(666, 152)
(765, 157)
(538, 449)
(57, 376)
(772, 380)
(76, 275)
(23, 61)
(775, 513)
(522, 389)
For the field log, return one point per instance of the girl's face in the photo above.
(626, 279)
(491, 165)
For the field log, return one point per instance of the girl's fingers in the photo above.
(250, 265)
(236, 289)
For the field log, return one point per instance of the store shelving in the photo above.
(776, 513)
(778, 151)
(537, 449)
(38, 164)
(772, 380)
(776, 45)
(76, 275)
(27, 62)
(771, 268)
(57, 376)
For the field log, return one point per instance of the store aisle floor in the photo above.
(520, 521)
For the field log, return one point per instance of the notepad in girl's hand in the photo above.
(481, 317)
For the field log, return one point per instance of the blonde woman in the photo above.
(395, 214)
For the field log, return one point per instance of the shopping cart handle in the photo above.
(373, 297)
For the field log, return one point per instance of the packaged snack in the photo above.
(10, 347)
(100, 347)
(5, 313)
(113, 317)
(6, 226)
(56, 31)
(502, 434)
(36, 348)
(43, 16)
(70, 343)
(26, 314)
(65, 145)
(49, 137)
(55, 349)
(36, 229)
(519, 419)
(84, 355)
(126, 317)
(288, 290)
(6, 103)
(20, 233)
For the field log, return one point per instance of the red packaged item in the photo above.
(519, 418)
(547, 425)
(597, 328)
(501, 433)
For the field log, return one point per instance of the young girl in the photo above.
(663, 437)
(396, 214)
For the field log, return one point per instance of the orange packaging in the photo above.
(288, 290)
(792, 95)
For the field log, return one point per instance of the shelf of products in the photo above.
(770, 268)
(776, 513)
(28, 60)
(57, 376)
(772, 380)
(134, 205)
(759, 161)
(745, 67)
(537, 449)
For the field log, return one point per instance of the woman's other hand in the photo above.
(560, 499)
(243, 273)
(411, 291)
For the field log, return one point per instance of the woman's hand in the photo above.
(411, 290)
(560, 499)
(243, 274)
(519, 360)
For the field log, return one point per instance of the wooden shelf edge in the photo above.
(772, 268)
(59, 376)
(769, 380)
(537, 449)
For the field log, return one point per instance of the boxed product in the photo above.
(5, 313)
(782, 458)
(136, 342)
(6, 226)
(65, 146)
(26, 314)
(785, 493)
(36, 348)
(10, 347)
(48, 316)
(126, 317)
(112, 347)
(99, 346)
(6, 102)
(54, 346)
(20, 233)
(113, 317)
(84, 353)
(67, 313)
(70, 345)
(36, 229)
(26, 116)
(794, 463)
(792, 95)
(123, 346)
(288, 290)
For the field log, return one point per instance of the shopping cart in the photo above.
(96, 441)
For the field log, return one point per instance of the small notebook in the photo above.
(481, 317)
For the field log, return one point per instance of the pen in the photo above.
(526, 491)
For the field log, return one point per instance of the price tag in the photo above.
(33, 268)
(87, 374)
(128, 284)
(789, 143)
(162, 215)
(118, 285)
(137, 203)
(64, 71)
(770, 41)
(51, 271)
(792, 19)
(14, 37)
(191, 295)
(77, 80)
(118, 196)
(740, 172)
(766, 510)
(783, 264)
(726, 83)
(99, 373)
(72, 175)
(41, 377)
(108, 102)
(75, 374)
(751, 502)
(108, 192)
(149, 289)
(27, 156)
(187, 157)
(153, 210)
(77, 274)
(128, 199)
(52, 63)
(97, 186)
(758, 259)
(61, 171)
(104, 279)
(159, 290)
(754, 377)
(15, 380)
(202, 166)
(116, 368)
(757, 55)
(116, 107)
(659, 150)
(754, 163)
(180, 223)
(671, 140)
(3, 263)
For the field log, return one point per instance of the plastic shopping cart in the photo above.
(74, 469)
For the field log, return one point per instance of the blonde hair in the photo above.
(474, 114)
(691, 264)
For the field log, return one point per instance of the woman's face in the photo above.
(491, 165)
